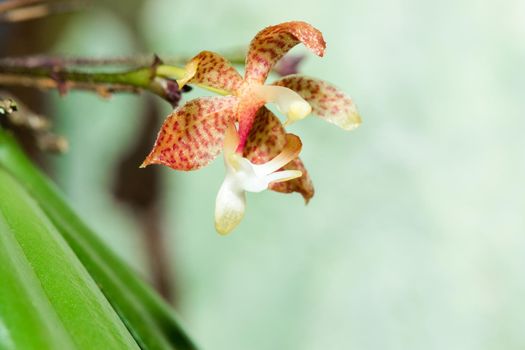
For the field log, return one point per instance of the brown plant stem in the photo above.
(140, 190)
(70, 61)
(159, 262)
(49, 74)
(14, 4)
(23, 10)
(22, 119)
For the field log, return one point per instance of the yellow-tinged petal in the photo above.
(229, 207)
(266, 140)
(288, 102)
(289, 152)
(192, 136)
(327, 101)
(272, 43)
(211, 70)
(282, 176)
(231, 140)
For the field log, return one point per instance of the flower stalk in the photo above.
(52, 74)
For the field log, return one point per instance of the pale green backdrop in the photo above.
(416, 236)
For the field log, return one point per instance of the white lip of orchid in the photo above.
(242, 176)
(287, 101)
(257, 177)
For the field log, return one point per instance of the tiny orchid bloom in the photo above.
(194, 134)
(242, 176)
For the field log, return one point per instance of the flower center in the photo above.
(244, 176)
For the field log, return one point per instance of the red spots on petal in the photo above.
(326, 100)
(215, 71)
(272, 43)
(267, 138)
(186, 141)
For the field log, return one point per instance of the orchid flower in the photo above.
(194, 134)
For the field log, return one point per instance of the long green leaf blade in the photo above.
(24, 306)
(149, 318)
(83, 310)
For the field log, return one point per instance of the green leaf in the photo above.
(24, 306)
(149, 318)
(43, 267)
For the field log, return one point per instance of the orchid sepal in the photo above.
(327, 101)
(192, 136)
(272, 43)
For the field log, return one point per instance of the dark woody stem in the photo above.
(155, 78)
(136, 73)
(74, 61)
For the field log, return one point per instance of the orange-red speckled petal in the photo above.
(212, 70)
(246, 114)
(302, 185)
(266, 140)
(272, 43)
(192, 136)
(327, 102)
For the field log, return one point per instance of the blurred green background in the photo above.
(415, 238)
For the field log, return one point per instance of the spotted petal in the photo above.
(246, 113)
(192, 136)
(272, 43)
(302, 185)
(266, 140)
(211, 70)
(327, 102)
